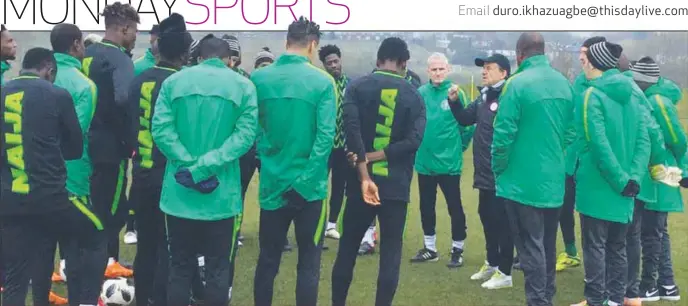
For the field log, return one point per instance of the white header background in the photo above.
(359, 15)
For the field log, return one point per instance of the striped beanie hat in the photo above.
(604, 55)
(646, 70)
(234, 47)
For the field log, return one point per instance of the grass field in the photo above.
(422, 284)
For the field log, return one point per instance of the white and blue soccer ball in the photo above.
(117, 292)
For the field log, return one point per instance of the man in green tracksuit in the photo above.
(296, 102)
(439, 162)
(613, 159)
(201, 188)
(147, 61)
(528, 161)
(8, 53)
(648, 191)
(657, 273)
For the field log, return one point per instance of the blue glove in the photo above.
(184, 178)
(207, 186)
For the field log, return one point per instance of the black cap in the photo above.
(498, 59)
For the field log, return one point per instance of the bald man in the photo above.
(532, 184)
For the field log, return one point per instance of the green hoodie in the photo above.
(664, 96)
(144, 63)
(297, 110)
(4, 66)
(204, 120)
(616, 147)
(535, 110)
(85, 94)
(444, 141)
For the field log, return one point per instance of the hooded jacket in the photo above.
(481, 113)
(444, 140)
(528, 144)
(4, 66)
(184, 132)
(84, 94)
(297, 103)
(144, 63)
(615, 148)
(664, 95)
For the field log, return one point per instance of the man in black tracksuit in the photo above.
(39, 132)
(113, 132)
(152, 259)
(498, 241)
(383, 98)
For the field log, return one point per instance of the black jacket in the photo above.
(481, 113)
(149, 163)
(383, 111)
(39, 132)
(113, 132)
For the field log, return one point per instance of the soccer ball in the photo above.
(117, 292)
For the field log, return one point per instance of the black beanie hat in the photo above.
(173, 34)
(646, 70)
(593, 40)
(604, 55)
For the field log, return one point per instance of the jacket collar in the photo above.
(291, 58)
(111, 44)
(166, 66)
(67, 60)
(4, 66)
(532, 62)
(214, 62)
(388, 73)
(149, 55)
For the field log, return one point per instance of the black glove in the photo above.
(294, 199)
(683, 182)
(184, 178)
(631, 190)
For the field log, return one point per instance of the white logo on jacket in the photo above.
(445, 105)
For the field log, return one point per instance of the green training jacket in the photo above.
(4, 66)
(664, 96)
(296, 116)
(444, 141)
(84, 94)
(144, 62)
(616, 147)
(204, 120)
(648, 187)
(535, 110)
(580, 84)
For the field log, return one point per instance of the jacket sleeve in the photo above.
(352, 123)
(642, 151)
(414, 135)
(570, 133)
(505, 128)
(164, 129)
(71, 140)
(674, 136)
(326, 112)
(600, 149)
(658, 152)
(85, 106)
(466, 115)
(236, 145)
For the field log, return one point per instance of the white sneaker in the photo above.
(240, 244)
(230, 293)
(130, 238)
(484, 273)
(332, 234)
(498, 281)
